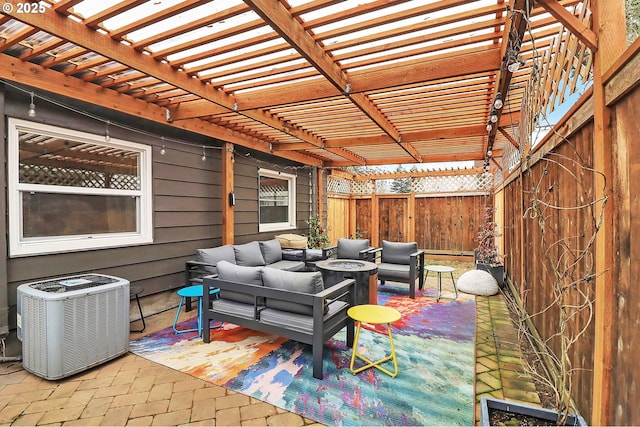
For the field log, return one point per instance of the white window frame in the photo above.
(291, 179)
(19, 246)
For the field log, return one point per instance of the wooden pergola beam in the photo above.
(572, 23)
(516, 27)
(417, 72)
(79, 34)
(48, 80)
(274, 13)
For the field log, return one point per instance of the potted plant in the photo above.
(317, 237)
(486, 253)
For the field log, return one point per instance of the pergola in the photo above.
(330, 84)
(326, 83)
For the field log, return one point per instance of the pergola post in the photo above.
(319, 192)
(608, 20)
(228, 217)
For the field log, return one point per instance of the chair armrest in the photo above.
(329, 251)
(337, 289)
(194, 263)
(374, 254)
(293, 253)
(367, 254)
(195, 270)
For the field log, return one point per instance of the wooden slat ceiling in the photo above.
(324, 82)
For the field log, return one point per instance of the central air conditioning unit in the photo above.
(70, 324)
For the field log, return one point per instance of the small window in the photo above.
(71, 191)
(277, 207)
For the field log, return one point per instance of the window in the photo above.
(277, 194)
(71, 191)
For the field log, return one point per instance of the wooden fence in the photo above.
(553, 205)
(442, 223)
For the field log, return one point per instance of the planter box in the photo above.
(487, 404)
(496, 270)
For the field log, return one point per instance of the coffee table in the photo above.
(365, 274)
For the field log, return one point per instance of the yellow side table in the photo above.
(374, 314)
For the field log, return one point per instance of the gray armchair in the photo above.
(400, 262)
(349, 249)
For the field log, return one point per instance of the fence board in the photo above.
(337, 218)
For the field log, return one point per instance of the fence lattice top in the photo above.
(402, 184)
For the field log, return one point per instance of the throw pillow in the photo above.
(248, 254)
(292, 241)
(477, 282)
(214, 255)
(239, 274)
(308, 283)
(271, 251)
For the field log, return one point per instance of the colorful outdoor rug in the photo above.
(434, 345)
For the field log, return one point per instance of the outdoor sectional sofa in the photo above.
(293, 305)
(252, 254)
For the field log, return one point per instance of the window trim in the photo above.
(19, 246)
(292, 186)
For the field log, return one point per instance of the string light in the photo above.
(32, 107)
(497, 104)
(32, 113)
(204, 155)
(163, 151)
(494, 117)
(489, 127)
(107, 137)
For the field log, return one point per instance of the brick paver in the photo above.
(134, 391)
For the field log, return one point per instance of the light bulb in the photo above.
(32, 108)
(514, 66)
(489, 127)
(497, 104)
(163, 151)
(494, 117)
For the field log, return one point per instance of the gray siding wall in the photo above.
(186, 201)
(246, 191)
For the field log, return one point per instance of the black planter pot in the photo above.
(487, 404)
(496, 270)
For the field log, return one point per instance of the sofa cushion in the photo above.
(297, 321)
(215, 255)
(350, 248)
(288, 319)
(271, 251)
(398, 252)
(233, 308)
(399, 272)
(292, 241)
(308, 283)
(239, 274)
(249, 254)
(289, 265)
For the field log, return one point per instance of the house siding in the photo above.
(187, 202)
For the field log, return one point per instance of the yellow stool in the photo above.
(374, 314)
